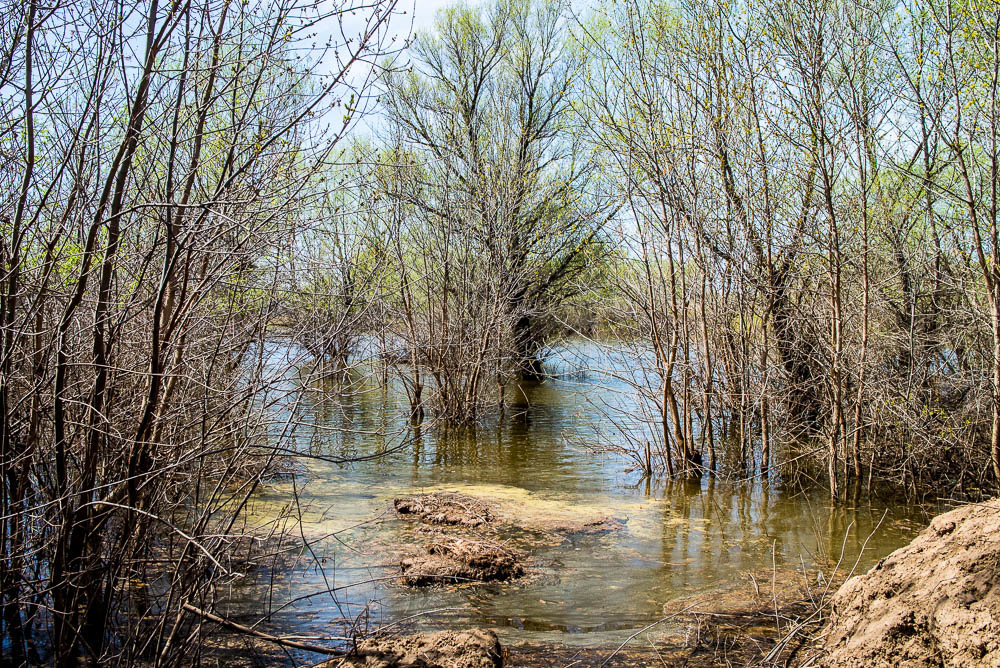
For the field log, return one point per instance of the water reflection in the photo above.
(682, 537)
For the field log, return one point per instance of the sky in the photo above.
(410, 15)
(419, 14)
(423, 11)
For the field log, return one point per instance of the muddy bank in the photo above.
(581, 527)
(475, 512)
(475, 648)
(460, 538)
(460, 560)
(935, 602)
(554, 656)
(445, 508)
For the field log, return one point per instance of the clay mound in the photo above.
(461, 560)
(445, 508)
(935, 602)
(447, 649)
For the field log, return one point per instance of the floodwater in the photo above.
(682, 540)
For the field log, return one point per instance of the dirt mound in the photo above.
(461, 560)
(935, 602)
(445, 508)
(447, 649)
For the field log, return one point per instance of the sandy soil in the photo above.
(935, 602)
(446, 649)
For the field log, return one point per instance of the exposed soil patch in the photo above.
(445, 508)
(461, 560)
(446, 649)
(935, 602)
(463, 510)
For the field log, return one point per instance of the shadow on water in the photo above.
(682, 538)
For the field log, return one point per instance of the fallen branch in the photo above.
(263, 636)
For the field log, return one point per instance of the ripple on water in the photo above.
(680, 539)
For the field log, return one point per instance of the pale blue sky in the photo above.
(419, 14)
(416, 13)
(411, 15)
(423, 11)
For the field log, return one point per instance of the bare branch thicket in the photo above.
(807, 257)
(494, 205)
(158, 158)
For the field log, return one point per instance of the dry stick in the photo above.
(263, 636)
(643, 630)
(823, 598)
(774, 577)
(657, 652)
(384, 629)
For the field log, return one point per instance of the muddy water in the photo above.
(681, 539)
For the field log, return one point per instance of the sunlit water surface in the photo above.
(682, 540)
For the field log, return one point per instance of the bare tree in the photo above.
(502, 208)
(794, 173)
(156, 156)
